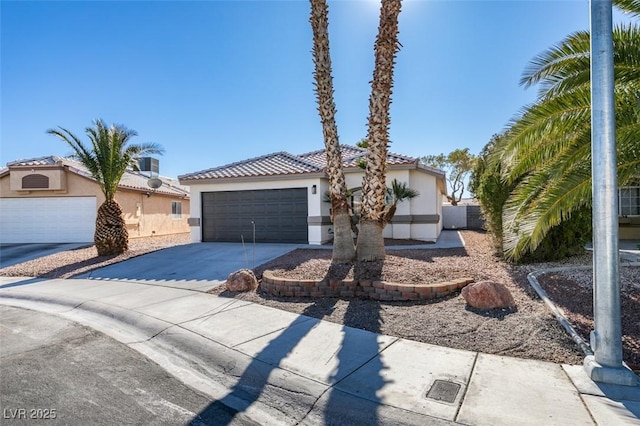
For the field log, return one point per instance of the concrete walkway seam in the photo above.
(466, 388)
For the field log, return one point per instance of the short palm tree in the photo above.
(343, 247)
(107, 159)
(546, 153)
(399, 192)
(370, 244)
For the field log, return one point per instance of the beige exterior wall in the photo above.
(76, 186)
(56, 176)
(153, 217)
(149, 216)
(629, 228)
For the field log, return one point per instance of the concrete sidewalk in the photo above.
(281, 368)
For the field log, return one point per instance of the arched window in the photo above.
(35, 181)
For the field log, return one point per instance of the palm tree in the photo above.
(398, 192)
(343, 247)
(370, 244)
(546, 153)
(107, 159)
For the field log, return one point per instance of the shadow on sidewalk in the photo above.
(254, 380)
(336, 402)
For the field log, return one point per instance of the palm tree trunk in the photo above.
(343, 247)
(111, 236)
(370, 246)
(370, 242)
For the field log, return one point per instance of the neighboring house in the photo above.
(281, 198)
(55, 199)
(629, 214)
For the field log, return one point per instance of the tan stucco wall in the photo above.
(76, 186)
(56, 176)
(155, 211)
(148, 216)
(629, 228)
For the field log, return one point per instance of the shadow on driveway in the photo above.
(12, 254)
(192, 262)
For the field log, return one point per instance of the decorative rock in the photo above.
(242, 280)
(488, 295)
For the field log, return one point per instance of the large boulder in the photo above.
(242, 280)
(488, 295)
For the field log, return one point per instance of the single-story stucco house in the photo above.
(53, 199)
(280, 197)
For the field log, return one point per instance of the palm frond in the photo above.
(109, 154)
(544, 130)
(561, 67)
(526, 225)
(400, 191)
(628, 6)
(566, 65)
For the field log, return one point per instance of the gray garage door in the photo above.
(280, 215)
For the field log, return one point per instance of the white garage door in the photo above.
(47, 220)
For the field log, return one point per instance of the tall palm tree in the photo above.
(370, 244)
(546, 154)
(343, 247)
(108, 157)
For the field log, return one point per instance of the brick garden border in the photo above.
(376, 290)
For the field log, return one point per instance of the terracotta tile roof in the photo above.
(131, 179)
(283, 163)
(351, 155)
(49, 160)
(279, 163)
(138, 181)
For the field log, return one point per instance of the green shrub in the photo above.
(490, 191)
(565, 240)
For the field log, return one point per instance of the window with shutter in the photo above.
(35, 181)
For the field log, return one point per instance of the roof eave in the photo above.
(289, 176)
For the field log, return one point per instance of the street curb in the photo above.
(201, 363)
(260, 390)
(564, 322)
(557, 312)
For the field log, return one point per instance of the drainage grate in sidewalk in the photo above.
(443, 390)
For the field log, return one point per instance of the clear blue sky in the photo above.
(216, 82)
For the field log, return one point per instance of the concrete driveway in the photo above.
(12, 254)
(186, 265)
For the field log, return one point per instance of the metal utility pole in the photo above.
(606, 340)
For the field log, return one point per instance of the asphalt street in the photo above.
(56, 370)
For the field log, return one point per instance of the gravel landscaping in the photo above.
(529, 331)
(67, 264)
